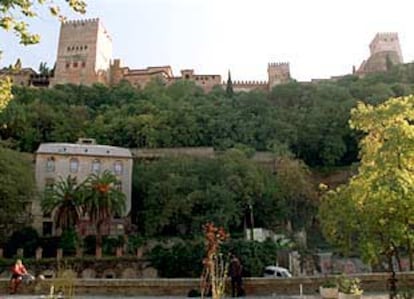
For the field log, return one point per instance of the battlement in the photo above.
(248, 83)
(278, 64)
(81, 22)
(386, 34)
(386, 42)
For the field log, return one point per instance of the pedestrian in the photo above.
(235, 273)
(18, 270)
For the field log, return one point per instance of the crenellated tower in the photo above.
(386, 42)
(278, 73)
(84, 53)
(385, 52)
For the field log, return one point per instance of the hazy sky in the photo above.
(319, 38)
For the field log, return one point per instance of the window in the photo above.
(75, 64)
(50, 164)
(73, 165)
(47, 228)
(67, 65)
(96, 166)
(118, 186)
(49, 183)
(118, 168)
(83, 63)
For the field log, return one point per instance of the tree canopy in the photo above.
(308, 120)
(373, 213)
(14, 16)
(17, 189)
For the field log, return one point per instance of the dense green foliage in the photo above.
(308, 121)
(26, 238)
(184, 259)
(177, 196)
(373, 213)
(17, 187)
(311, 120)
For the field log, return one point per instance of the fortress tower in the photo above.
(278, 73)
(84, 53)
(386, 42)
(385, 50)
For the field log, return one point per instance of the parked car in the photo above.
(276, 272)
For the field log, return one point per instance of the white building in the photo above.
(59, 160)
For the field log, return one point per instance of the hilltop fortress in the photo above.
(84, 56)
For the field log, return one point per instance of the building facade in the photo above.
(55, 161)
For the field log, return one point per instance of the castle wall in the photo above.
(206, 82)
(21, 77)
(247, 86)
(138, 77)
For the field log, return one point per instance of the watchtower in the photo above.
(278, 73)
(386, 42)
(84, 53)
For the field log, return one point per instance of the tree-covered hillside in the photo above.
(308, 119)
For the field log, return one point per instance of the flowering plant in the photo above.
(215, 264)
(349, 285)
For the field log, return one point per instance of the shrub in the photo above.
(26, 238)
(349, 285)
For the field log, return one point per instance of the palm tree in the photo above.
(64, 199)
(103, 201)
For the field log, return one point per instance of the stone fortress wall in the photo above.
(84, 56)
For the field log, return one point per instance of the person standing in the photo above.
(17, 270)
(235, 273)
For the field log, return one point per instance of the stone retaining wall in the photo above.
(180, 287)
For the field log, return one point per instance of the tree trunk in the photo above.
(392, 281)
(410, 254)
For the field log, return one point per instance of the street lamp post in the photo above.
(251, 222)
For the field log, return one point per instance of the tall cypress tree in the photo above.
(229, 87)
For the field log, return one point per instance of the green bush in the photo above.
(68, 242)
(89, 245)
(134, 242)
(184, 259)
(26, 238)
(110, 243)
(254, 256)
(181, 260)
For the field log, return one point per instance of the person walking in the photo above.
(235, 273)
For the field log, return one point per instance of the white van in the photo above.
(276, 272)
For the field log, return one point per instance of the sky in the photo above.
(319, 38)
